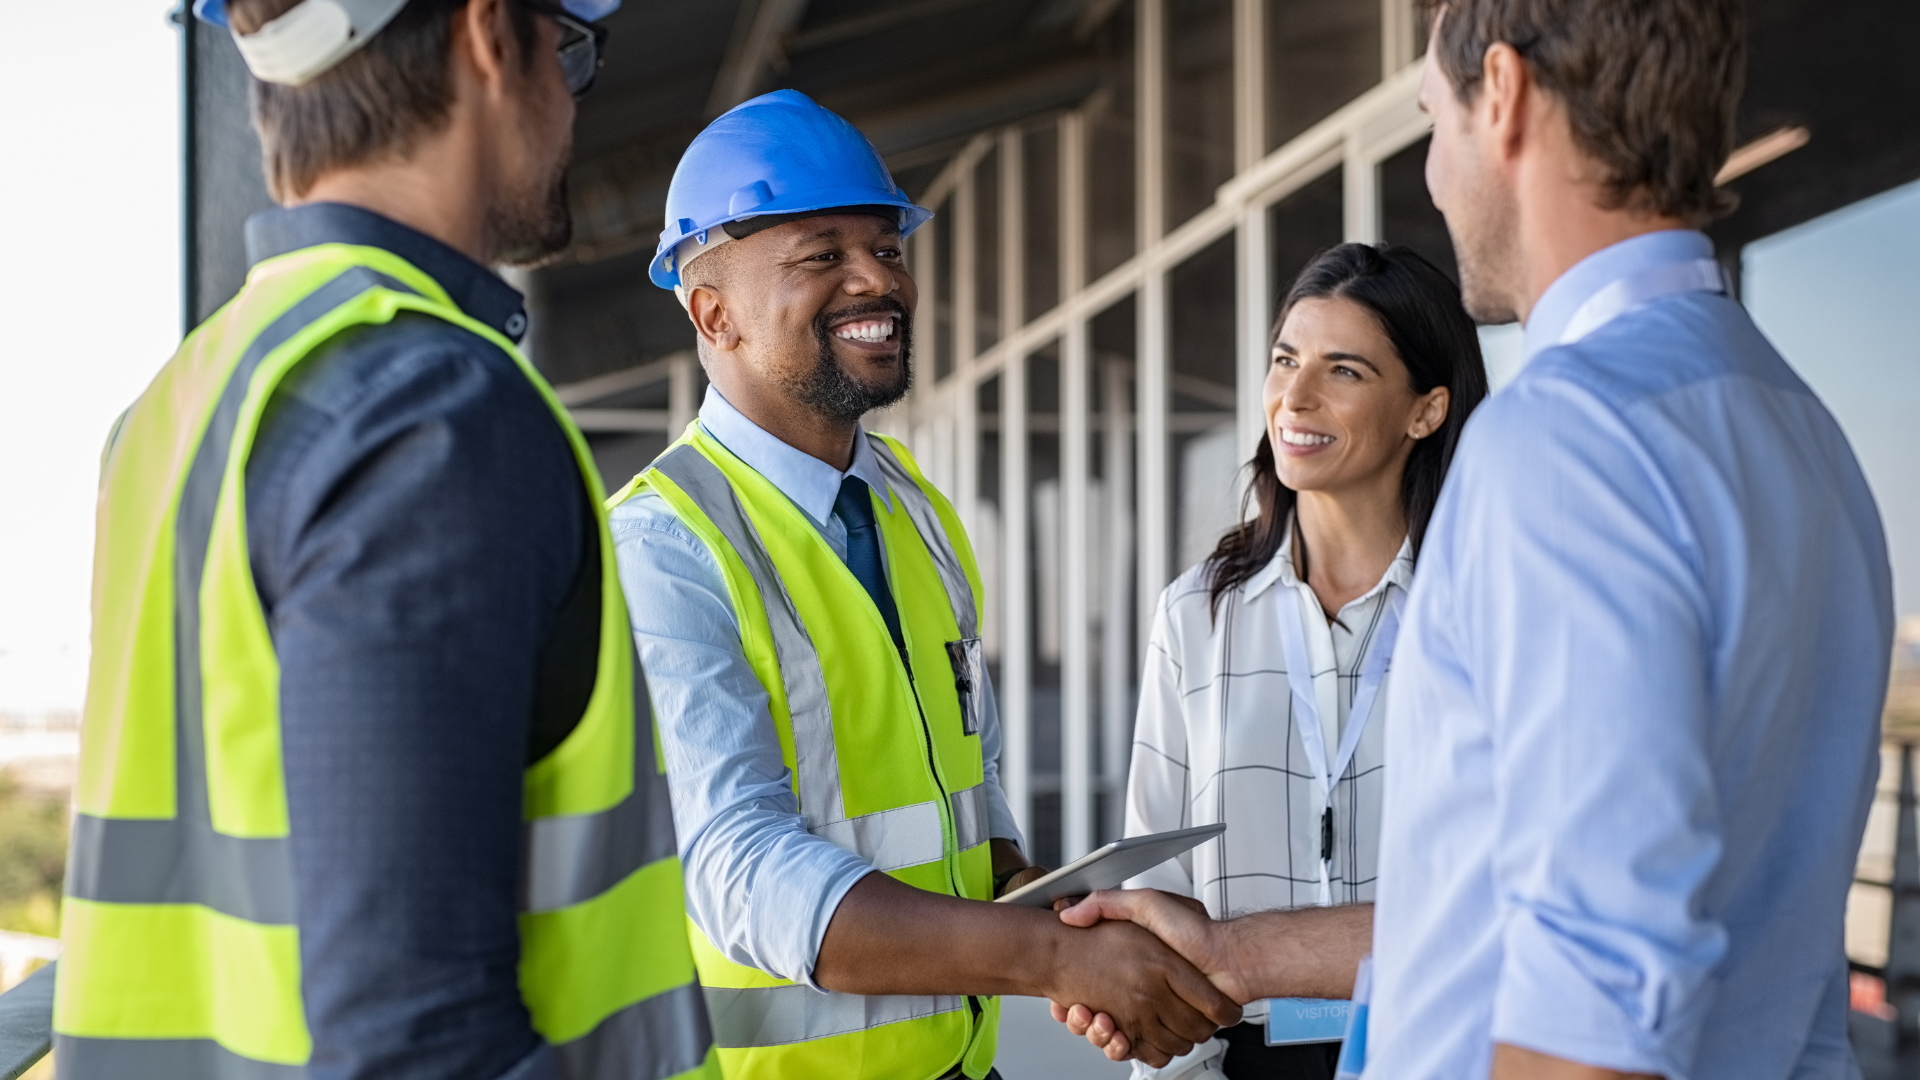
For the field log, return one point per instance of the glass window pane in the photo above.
(1300, 226)
(1199, 120)
(1407, 213)
(1111, 574)
(1204, 459)
(1321, 54)
(939, 233)
(986, 251)
(1045, 597)
(1040, 168)
(1835, 296)
(1110, 178)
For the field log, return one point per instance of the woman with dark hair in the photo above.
(1266, 660)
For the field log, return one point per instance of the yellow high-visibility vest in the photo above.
(182, 958)
(885, 753)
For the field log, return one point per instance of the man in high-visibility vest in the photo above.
(808, 610)
(368, 781)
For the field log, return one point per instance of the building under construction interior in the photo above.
(1122, 189)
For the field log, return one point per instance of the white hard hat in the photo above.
(314, 35)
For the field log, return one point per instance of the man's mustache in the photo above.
(878, 306)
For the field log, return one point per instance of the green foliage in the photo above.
(33, 859)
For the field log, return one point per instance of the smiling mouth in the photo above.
(1304, 438)
(868, 330)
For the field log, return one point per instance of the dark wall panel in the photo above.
(223, 184)
(1407, 213)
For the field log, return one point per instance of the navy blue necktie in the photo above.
(854, 508)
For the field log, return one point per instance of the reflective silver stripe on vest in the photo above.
(815, 759)
(926, 521)
(970, 822)
(890, 839)
(182, 860)
(664, 1035)
(779, 1015)
(161, 1059)
(573, 858)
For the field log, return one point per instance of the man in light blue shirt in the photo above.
(1635, 710)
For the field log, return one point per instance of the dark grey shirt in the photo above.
(423, 546)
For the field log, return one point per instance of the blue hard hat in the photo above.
(780, 153)
(215, 11)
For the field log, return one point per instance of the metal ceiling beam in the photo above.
(977, 108)
(873, 22)
(756, 45)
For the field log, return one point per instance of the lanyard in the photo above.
(1306, 711)
(1692, 275)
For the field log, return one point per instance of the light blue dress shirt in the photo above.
(1635, 709)
(760, 886)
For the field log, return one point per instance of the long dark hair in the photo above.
(1419, 309)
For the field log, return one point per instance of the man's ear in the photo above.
(484, 42)
(1505, 94)
(711, 319)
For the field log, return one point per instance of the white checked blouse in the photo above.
(1215, 741)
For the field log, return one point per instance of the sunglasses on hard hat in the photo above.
(582, 47)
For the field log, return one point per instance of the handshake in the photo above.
(1162, 975)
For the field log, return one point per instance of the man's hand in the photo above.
(1143, 988)
(1311, 952)
(887, 937)
(1181, 922)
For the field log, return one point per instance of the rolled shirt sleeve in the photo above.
(1584, 607)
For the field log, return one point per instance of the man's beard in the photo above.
(838, 396)
(1484, 237)
(532, 226)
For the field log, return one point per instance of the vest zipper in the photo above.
(975, 1009)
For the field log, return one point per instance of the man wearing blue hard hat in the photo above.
(370, 784)
(808, 610)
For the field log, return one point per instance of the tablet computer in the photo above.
(1108, 867)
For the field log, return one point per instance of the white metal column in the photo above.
(1249, 82)
(1016, 656)
(682, 405)
(1076, 652)
(966, 485)
(1151, 360)
(1360, 192)
(1399, 35)
(1117, 659)
(1250, 245)
(1013, 232)
(1016, 563)
(1255, 298)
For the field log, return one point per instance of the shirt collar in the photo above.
(473, 288)
(1279, 570)
(812, 484)
(1556, 307)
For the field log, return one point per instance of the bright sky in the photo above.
(91, 235)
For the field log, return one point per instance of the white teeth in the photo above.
(1303, 438)
(868, 331)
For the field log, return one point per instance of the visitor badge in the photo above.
(1306, 1020)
